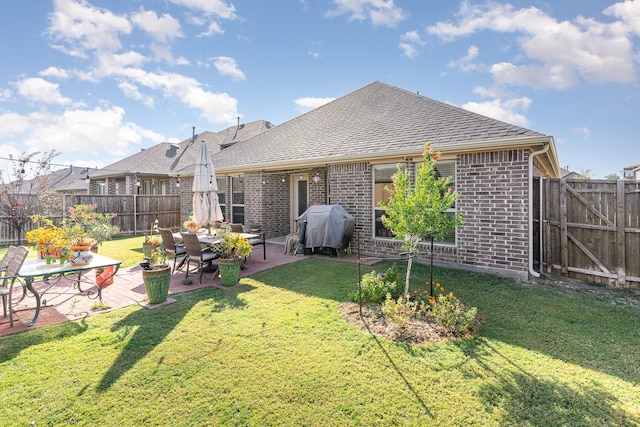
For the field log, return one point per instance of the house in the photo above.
(155, 170)
(631, 172)
(346, 151)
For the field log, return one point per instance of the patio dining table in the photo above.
(51, 274)
(212, 240)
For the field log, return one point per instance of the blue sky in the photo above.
(99, 80)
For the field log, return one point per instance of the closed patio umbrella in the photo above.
(206, 208)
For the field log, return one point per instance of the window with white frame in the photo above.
(237, 199)
(382, 177)
(222, 195)
(102, 187)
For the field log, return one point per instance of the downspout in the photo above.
(530, 251)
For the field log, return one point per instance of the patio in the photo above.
(128, 288)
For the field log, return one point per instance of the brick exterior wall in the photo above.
(493, 202)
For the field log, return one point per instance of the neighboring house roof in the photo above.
(68, 180)
(168, 158)
(375, 121)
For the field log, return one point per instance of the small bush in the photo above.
(396, 311)
(375, 286)
(453, 314)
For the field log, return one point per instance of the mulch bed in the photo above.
(415, 331)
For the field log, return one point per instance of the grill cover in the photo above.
(329, 226)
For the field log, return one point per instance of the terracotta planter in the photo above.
(80, 255)
(229, 271)
(157, 283)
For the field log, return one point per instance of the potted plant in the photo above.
(80, 249)
(96, 225)
(151, 242)
(254, 227)
(156, 275)
(232, 249)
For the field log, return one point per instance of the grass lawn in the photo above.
(274, 351)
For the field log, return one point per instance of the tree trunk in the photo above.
(405, 297)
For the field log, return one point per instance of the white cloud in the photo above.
(228, 67)
(465, 63)
(84, 131)
(83, 26)
(40, 90)
(584, 131)
(554, 54)
(309, 103)
(380, 12)
(56, 72)
(162, 29)
(509, 111)
(216, 8)
(409, 42)
(213, 29)
(5, 94)
(131, 91)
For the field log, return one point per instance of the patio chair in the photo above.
(196, 254)
(6, 259)
(237, 228)
(10, 276)
(171, 248)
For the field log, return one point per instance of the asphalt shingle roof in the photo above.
(377, 118)
(165, 159)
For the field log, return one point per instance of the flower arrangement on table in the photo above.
(50, 240)
(191, 224)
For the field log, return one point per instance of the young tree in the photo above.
(612, 176)
(418, 211)
(27, 191)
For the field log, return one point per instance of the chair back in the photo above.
(16, 262)
(6, 259)
(192, 244)
(237, 228)
(167, 239)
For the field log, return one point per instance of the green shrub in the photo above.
(375, 286)
(396, 311)
(453, 314)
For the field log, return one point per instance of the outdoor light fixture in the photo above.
(22, 170)
(283, 179)
(87, 179)
(178, 183)
(316, 179)
(138, 182)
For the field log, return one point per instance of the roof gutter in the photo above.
(530, 251)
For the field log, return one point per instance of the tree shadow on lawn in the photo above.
(527, 400)
(152, 326)
(12, 345)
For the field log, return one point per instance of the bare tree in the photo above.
(26, 191)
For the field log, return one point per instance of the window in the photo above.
(102, 187)
(382, 177)
(237, 199)
(222, 194)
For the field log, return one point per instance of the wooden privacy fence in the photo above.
(135, 214)
(590, 230)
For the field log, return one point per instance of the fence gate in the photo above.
(588, 229)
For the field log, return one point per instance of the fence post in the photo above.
(621, 257)
(564, 242)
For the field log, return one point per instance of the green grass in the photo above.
(275, 352)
